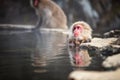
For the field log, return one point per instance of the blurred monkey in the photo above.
(50, 15)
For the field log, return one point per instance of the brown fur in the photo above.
(51, 14)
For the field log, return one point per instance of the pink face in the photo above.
(77, 30)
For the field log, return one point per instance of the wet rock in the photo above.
(118, 41)
(112, 61)
(103, 46)
(100, 42)
(112, 33)
(95, 75)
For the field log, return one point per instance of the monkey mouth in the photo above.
(76, 34)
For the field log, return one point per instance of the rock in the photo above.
(103, 46)
(95, 75)
(118, 41)
(112, 61)
(112, 33)
(100, 42)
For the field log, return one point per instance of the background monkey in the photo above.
(50, 15)
(80, 32)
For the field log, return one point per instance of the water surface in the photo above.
(40, 55)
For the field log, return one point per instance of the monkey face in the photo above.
(77, 30)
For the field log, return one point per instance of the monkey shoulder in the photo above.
(52, 9)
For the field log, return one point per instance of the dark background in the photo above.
(102, 15)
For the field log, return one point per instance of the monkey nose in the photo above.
(76, 33)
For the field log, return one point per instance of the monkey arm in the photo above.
(75, 42)
(38, 24)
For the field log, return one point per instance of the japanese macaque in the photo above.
(50, 15)
(80, 32)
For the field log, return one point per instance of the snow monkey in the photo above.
(80, 32)
(50, 15)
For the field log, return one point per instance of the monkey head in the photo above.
(80, 32)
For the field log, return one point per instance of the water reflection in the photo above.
(85, 58)
(79, 56)
(33, 56)
(49, 45)
(50, 59)
(15, 56)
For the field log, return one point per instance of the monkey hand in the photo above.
(77, 42)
